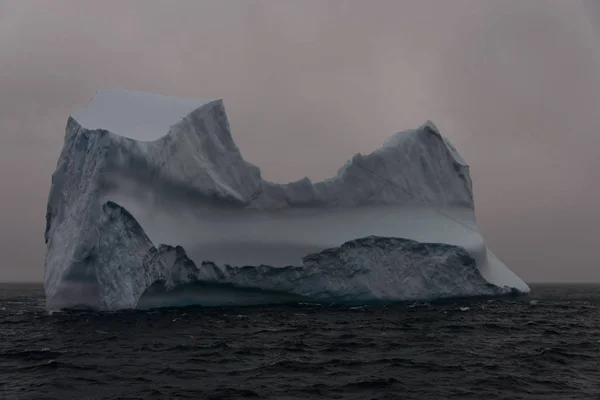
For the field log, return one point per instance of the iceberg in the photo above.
(153, 205)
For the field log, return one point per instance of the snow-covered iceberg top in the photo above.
(135, 114)
(138, 169)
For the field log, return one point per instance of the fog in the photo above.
(514, 84)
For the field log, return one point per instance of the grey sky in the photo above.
(514, 84)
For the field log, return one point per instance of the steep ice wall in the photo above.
(191, 186)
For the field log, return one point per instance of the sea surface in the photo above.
(542, 346)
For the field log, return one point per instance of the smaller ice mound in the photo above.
(135, 114)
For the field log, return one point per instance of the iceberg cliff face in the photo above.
(121, 186)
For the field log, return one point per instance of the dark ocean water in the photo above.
(542, 346)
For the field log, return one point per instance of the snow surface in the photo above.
(192, 187)
(135, 114)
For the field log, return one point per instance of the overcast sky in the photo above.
(514, 84)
